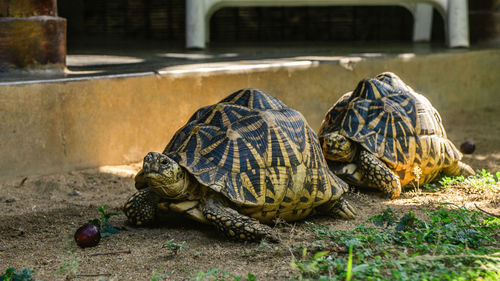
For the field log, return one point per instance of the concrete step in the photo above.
(50, 123)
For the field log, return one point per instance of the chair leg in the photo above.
(195, 24)
(422, 25)
(458, 23)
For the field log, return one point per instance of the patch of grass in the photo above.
(157, 276)
(70, 266)
(26, 274)
(216, 274)
(480, 182)
(452, 244)
(174, 247)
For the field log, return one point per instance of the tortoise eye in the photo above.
(164, 162)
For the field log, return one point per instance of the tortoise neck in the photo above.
(191, 187)
(353, 153)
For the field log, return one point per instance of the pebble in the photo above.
(74, 193)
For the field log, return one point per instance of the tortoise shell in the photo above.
(401, 127)
(259, 153)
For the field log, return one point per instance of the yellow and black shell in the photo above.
(262, 155)
(401, 127)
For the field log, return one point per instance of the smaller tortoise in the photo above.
(241, 162)
(386, 136)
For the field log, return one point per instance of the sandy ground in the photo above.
(39, 215)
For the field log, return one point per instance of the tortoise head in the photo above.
(336, 147)
(163, 176)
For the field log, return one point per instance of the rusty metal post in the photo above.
(32, 36)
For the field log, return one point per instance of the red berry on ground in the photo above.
(87, 235)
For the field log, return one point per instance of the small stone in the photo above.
(74, 193)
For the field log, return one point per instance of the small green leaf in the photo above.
(12, 275)
(105, 215)
(108, 230)
(349, 266)
(304, 252)
(95, 222)
(360, 267)
(320, 254)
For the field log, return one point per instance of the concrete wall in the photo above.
(60, 126)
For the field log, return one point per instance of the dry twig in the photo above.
(22, 182)
(111, 253)
(488, 213)
(93, 275)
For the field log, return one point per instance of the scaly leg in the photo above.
(459, 169)
(234, 224)
(378, 175)
(140, 208)
(340, 208)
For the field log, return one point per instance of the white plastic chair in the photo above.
(454, 13)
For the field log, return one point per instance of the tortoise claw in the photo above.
(345, 210)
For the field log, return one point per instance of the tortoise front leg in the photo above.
(340, 208)
(233, 224)
(378, 175)
(141, 207)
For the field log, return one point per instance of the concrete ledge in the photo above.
(67, 125)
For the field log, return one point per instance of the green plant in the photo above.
(451, 244)
(70, 266)
(349, 266)
(174, 247)
(157, 276)
(482, 181)
(26, 274)
(103, 223)
(218, 274)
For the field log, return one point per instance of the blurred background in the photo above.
(164, 20)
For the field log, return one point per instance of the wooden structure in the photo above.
(32, 36)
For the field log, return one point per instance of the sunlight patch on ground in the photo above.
(128, 171)
(482, 157)
(407, 56)
(197, 56)
(85, 60)
(244, 66)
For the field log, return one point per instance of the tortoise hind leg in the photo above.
(233, 224)
(378, 175)
(459, 168)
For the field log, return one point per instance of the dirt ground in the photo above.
(39, 215)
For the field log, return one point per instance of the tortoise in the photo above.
(384, 135)
(239, 164)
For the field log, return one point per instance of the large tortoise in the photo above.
(245, 160)
(386, 136)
